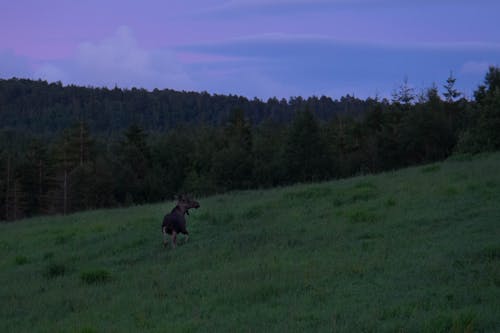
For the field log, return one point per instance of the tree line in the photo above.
(49, 108)
(81, 167)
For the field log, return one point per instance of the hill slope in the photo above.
(415, 250)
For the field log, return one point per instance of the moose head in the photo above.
(185, 203)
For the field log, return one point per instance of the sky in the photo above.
(254, 48)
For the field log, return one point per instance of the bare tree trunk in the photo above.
(65, 190)
(81, 143)
(40, 184)
(15, 201)
(65, 183)
(7, 189)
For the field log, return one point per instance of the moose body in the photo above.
(175, 222)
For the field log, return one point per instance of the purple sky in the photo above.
(257, 48)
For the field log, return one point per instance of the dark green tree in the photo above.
(346, 143)
(269, 140)
(451, 93)
(425, 135)
(132, 166)
(233, 163)
(171, 160)
(13, 199)
(73, 170)
(488, 91)
(485, 135)
(200, 178)
(404, 95)
(305, 152)
(36, 172)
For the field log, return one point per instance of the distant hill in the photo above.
(415, 250)
(49, 108)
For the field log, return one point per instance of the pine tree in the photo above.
(305, 152)
(488, 98)
(133, 165)
(451, 93)
(73, 164)
(269, 139)
(35, 177)
(234, 162)
(405, 94)
(14, 196)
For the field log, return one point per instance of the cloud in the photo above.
(306, 64)
(328, 41)
(263, 65)
(51, 73)
(283, 4)
(266, 3)
(274, 7)
(118, 53)
(318, 5)
(243, 77)
(262, 3)
(118, 60)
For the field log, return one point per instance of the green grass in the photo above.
(417, 250)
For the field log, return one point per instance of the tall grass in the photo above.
(416, 250)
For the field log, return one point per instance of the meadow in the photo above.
(414, 250)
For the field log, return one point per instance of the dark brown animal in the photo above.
(175, 222)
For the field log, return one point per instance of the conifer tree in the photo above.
(233, 162)
(133, 164)
(451, 93)
(404, 95)
(35, 173)
(72, 162)
(305, 153)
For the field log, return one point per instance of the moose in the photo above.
(175, 222)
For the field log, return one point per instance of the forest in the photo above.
(67, 148)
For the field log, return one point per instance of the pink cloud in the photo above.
(118, 60)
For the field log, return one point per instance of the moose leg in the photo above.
(174, 239)
(165, 237)
(186, 233)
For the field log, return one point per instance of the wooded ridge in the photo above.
(65, 149)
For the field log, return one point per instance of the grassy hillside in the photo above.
(416, 250)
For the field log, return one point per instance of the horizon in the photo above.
(380, 99)
(262, 49)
